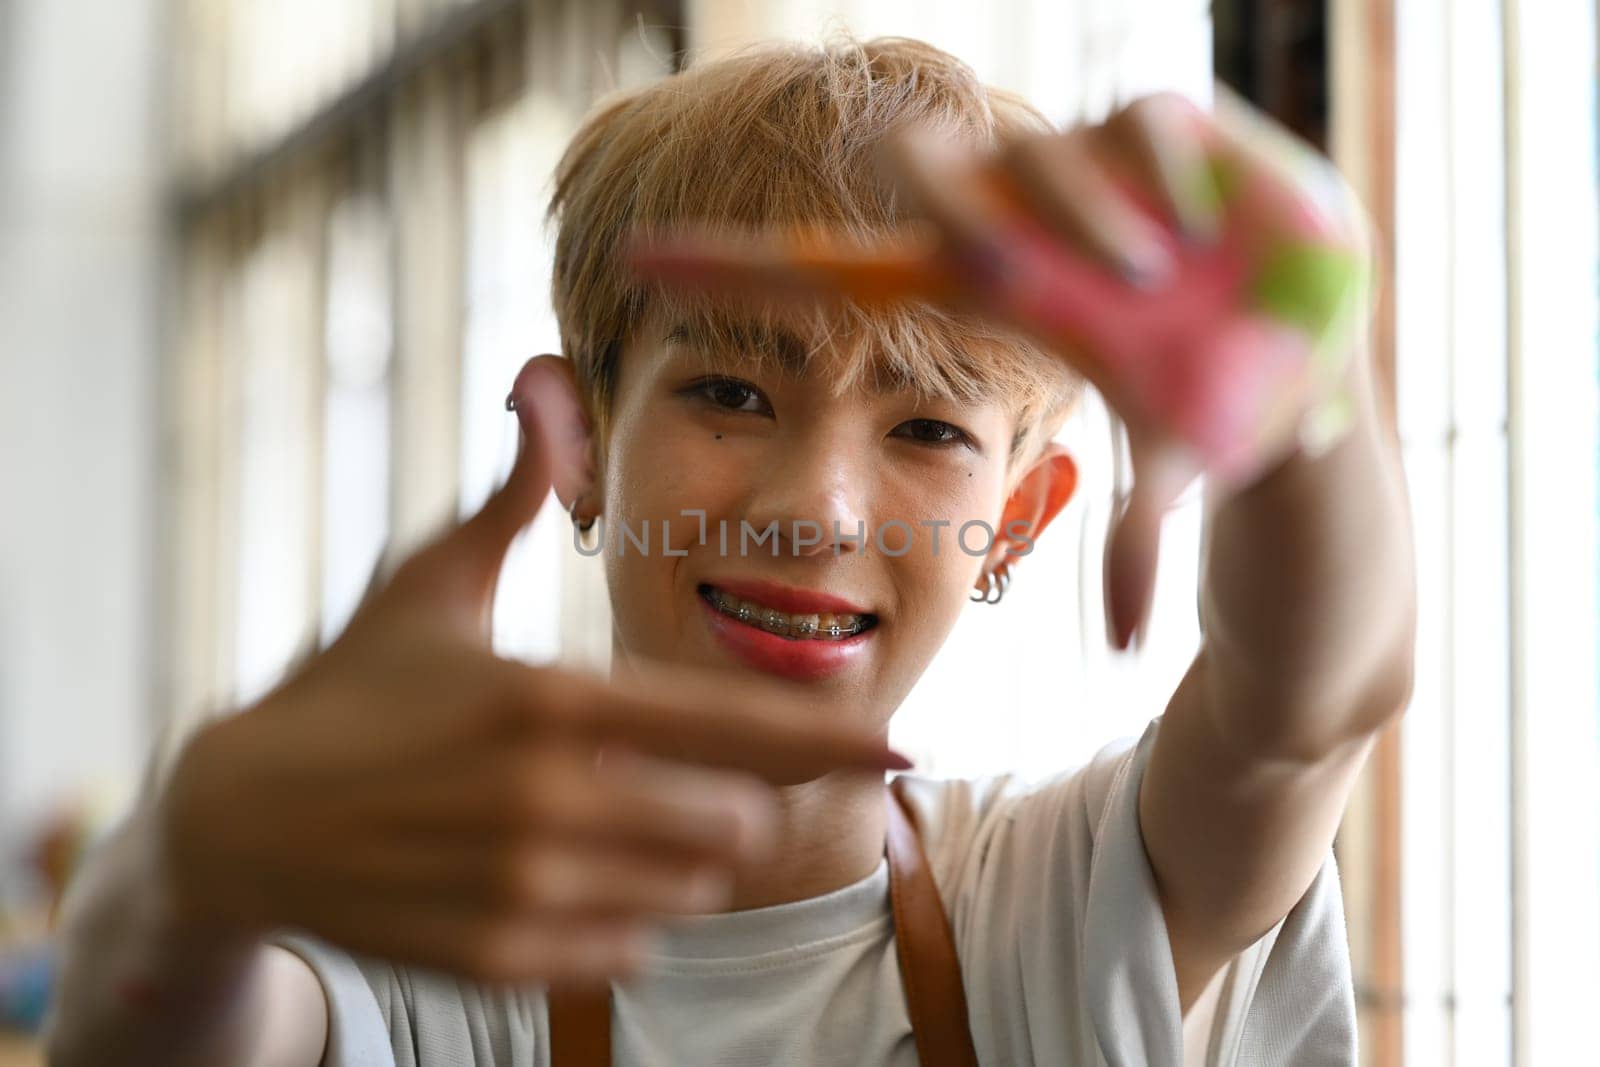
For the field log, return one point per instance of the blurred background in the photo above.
(267, 268)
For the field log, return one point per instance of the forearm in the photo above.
(136, 978)
(1307, 595)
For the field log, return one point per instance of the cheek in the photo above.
(974, 498)
(665, 466)
(936, 575)
(655, 469)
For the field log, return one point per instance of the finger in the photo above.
(548, 383)
(701, 717)
(557, 790)
(509, 950)
(558, 881)
(699, 812)
(1013, 265)
(458, 572)
(1069, 187)
(945, 182)
(1161, 472)
(726, 722)
(1162, 140)
(436, 697)
(547, 423)
(575, 952)
(507, 877)
(796, 266)
(1243, 395)
(1281, 185)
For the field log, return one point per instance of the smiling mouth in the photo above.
(824, 626)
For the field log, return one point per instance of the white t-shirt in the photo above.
(1062, 943)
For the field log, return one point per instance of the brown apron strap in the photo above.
(929, 967)
(580, 1027)
(580, 1023)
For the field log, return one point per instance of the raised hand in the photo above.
(408, 794)
(1206, 273)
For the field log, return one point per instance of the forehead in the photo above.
(921, 351)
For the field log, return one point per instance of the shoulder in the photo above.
(382, 1014)
(1052, 898)
(961, 820)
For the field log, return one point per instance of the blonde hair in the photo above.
(786, 134)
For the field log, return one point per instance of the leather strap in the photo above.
(580, 1027)
(929, 967)
(930, 971)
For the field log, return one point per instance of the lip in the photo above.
(801, 661)
(787, 598)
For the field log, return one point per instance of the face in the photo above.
(830, 554)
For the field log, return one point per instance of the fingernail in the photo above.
(634, 952)
(1149, 267)
(1109, 619)
(1198, 200)
(1199, 228)
(1199, 215)
(709, 889)
(1140, 633)
(988, 260)
(533, 399)
(1121, 638)
(1118, 630)
(755, 824)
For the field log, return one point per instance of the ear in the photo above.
(559, 406)
(1039, 495)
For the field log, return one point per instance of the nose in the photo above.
(812, 495)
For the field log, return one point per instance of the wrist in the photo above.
(205, 894)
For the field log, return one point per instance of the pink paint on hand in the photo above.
(1192, 356)
(1207, 356)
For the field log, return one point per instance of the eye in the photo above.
(730, 394)
(934, 432)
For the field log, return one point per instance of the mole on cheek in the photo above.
(719, 437)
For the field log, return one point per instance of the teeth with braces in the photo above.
(819, 627)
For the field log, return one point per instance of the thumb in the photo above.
(1133, 550)
(470, 557)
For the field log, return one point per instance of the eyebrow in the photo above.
(785, 346)
(788, 348)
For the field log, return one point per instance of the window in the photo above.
(269, 328)
(508, 319)
(364, 266)
(358, 346)
(1496, 281)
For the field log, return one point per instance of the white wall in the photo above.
(80, 239)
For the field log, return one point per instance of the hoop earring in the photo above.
(997, 583)
(584, 528)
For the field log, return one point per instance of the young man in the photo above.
(396, 854)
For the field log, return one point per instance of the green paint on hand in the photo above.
(1307, 285)
(1222, 180)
